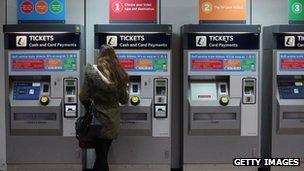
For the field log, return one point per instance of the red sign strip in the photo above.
(207, 64)
(127, 63)
(33, 64)
(288, 64)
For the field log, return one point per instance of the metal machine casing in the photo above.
(145, 130)
(220, 59)
(43, 62)
(283, 122)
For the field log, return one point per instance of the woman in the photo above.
(108, 81)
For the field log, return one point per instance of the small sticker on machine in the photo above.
(36, 85)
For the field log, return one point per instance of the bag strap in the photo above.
(92, 108)
(91, 91)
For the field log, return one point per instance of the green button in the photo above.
(56, 7)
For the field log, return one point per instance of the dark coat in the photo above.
(106, 97)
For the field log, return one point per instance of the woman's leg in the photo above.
(102, 149)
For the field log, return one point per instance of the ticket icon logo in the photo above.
(21, 41)
(290, 41)
(112, 41)
(201, 41)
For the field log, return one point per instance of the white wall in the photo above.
(270, 12)
(2, 94)
(96, 13)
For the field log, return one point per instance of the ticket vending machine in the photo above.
(144, 141)
(221, 95)
(43, 65)
(284, 72)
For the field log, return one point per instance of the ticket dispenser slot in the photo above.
(160, 98)
(208, 116)
(136, 115)
(290, 100)
(249, 91)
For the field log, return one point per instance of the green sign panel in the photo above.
(296, 10)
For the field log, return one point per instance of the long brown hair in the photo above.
(109, 66)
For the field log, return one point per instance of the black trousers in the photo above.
(102, 148)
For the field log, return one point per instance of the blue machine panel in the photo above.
(291, 89)
(26, 91)
(41, 10)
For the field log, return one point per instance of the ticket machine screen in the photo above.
(291, 89)
(26, 91)
(208, 91)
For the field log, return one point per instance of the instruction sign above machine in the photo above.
(291, 62)
(206, 62)
(134, 40)
(43, 41)
(223, 41)
(143, 62)
(43, 62)
(133, 11)
(222, 11)
(290, 41)
(41, 11)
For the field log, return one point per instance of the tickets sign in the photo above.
(223, 41)
(222, 11)
(130, 11)
(42, 40)
(290, 41)
(41, 10)
(134, 40)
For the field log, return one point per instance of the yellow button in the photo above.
(44, 100)
(224, 100)
(135, 100)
